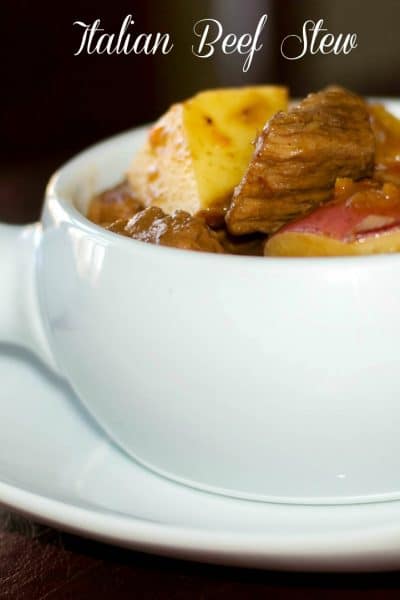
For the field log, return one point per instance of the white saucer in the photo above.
(56, 466)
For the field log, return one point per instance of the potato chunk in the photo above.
(386, 128)
(198, 151)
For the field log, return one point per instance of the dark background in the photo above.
(52, 103)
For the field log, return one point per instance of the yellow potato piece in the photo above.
(291, 243)
(198, 151)
(387, 133)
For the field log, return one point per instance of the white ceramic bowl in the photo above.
(269, 379)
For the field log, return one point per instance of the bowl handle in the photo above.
(20, 317)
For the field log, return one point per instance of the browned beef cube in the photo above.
(180, 230)
(298, 157)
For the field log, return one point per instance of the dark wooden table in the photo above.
(41, 563)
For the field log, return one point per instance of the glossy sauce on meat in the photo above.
(120, 212)
(179, 230)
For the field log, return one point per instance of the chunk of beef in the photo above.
(118, 202)
(298, 157)
(179, 230)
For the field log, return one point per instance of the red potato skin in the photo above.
(359, 212)
(341, 222)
